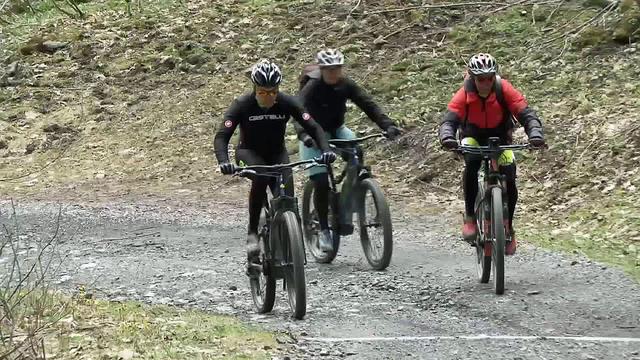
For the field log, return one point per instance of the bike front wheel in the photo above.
(374, 218)
(291, 237)
(483, 248)
(498, 243)
(262, 281)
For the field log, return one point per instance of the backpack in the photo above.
(310, 71)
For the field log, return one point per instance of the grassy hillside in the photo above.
(130, 104)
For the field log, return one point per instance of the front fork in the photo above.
(348, 196)
(485, 187)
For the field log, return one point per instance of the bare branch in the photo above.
(560, 3)
(75, 8)
(3, 5)
(439, 6)
(580, 28)
(358, 5)
(399, 31)
(507, 6)
(43, 167)
(55, 3)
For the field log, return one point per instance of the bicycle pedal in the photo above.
(253, 269)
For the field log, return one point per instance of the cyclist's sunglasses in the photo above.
(263, 92)
(484, 78)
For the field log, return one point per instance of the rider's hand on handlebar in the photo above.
(308, 141)
(328, 157)
(227, 168)
(393, 132)
(450, 143)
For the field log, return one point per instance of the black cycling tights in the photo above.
(321, 192)
(321, 198)
(258, 194)
(470, 184)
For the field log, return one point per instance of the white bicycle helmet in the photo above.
(330, 57)
(480, 64)
(266, 74)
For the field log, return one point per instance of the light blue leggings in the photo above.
(306, 153)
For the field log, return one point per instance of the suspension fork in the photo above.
(349, 189)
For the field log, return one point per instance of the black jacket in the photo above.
(328, 103)
(263, 130)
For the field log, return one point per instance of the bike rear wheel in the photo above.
(498, 243)
(291, 237)
(483, 256)
(376, 232)
(263, 284)
(312, 225)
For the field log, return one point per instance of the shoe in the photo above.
(253, 247)
(469, 230)
(511, 246)
(325, 241)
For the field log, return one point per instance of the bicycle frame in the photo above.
(490, 175)
(350, 176)
(275, 248)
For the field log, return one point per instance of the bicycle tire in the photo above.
(383, 217)
(483, 261)
(295, 277)
(312, 226)
(498, 243)
(263, 287)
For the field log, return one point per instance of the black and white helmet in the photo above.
(482, 64)
(266, 74)
(330, 57)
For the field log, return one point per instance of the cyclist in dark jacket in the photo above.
(476, 111)
(262, 116)
(325, 95)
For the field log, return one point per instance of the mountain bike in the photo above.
(491, 211)
(353, 191)
(282, 254)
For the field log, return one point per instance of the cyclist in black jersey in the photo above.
(262, 116)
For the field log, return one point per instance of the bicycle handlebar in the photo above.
(485, 150)
(272, 170)
(356, 140)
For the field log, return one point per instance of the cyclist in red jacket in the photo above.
(481, 112)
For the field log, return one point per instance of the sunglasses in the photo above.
(261, 92)
(484, 78)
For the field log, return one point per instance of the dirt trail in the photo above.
(160, 251)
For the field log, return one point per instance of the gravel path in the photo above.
(427, 304)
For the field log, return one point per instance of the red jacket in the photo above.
(485, 118)
(485, 114)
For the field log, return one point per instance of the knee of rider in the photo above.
(472, 165)
(260, 184)
(507, 158)
(469, 141)
(510, 172)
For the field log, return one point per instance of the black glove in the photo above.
(227, 168)
(450, 143)
(328, 157)
(536, 141)
(308, 141)
(393, 132)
